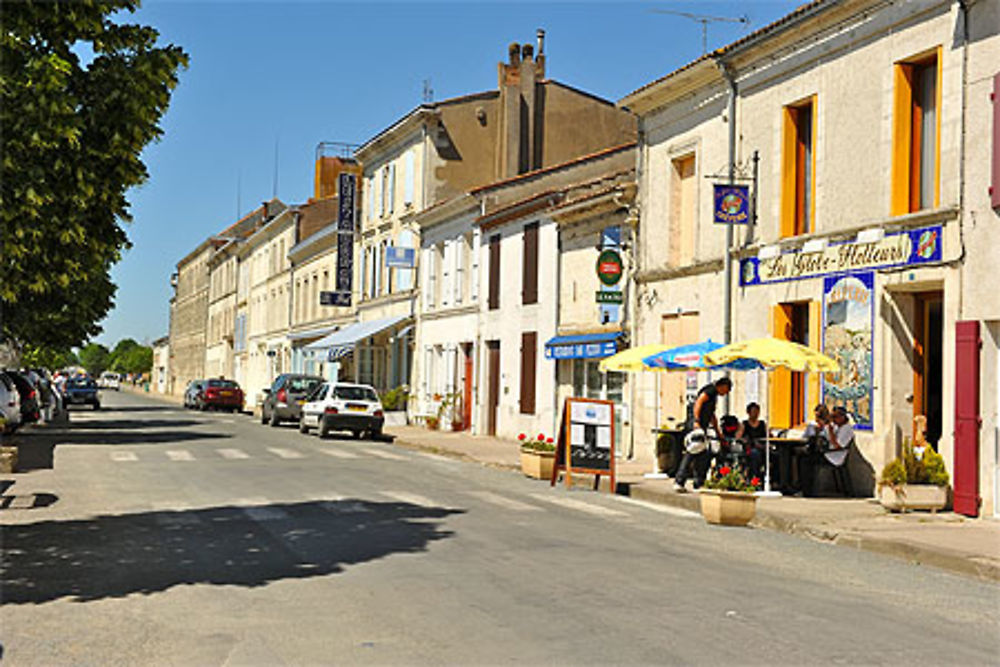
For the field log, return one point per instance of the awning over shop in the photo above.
(341, 343)
(315, 333)
(585, 346)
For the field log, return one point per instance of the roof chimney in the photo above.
(540, 35)
(527, 52)
(515, 53)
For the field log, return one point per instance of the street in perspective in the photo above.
(540, 333)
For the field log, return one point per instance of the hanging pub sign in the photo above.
(346, 189)
(732, 204)
(906, 248)
(848, 309)
(586, 440)
(609, 267)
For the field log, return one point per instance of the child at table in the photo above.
(753, 431)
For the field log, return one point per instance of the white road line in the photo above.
(663, 509)
(179, 455)
(339, 453)
(123, 456)
(578, 505)
(286, 453)
(385, 455)
(505, 502)
(233, 454)
(438, 457)
(410, 498)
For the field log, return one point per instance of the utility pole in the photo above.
(704, 20)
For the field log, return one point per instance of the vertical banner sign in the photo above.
(346, 189)
(848, 307)
(732, 204)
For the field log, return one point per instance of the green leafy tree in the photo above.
(139, 360)
(73, 134)
(94, 357)
(47, 357)
(118, 360)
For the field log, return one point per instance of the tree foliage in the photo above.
(94, 357)
(73, 133)
(131, 357)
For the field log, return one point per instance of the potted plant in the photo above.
(538, 456)
(915, 480)
(727, 498)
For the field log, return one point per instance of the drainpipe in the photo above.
(964, 7)
(727, 316)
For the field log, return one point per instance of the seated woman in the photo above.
(753, 431)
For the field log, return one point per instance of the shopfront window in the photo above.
(590, 382)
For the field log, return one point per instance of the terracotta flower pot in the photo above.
(537, 465)
(913, 497)
(728, 508)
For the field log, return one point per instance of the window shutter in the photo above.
(494, 296)
(392, 187)
(380, 181)
(474, 278)
(428, 360)
(968, 420)
(446, 273)
(431, 275)
(780, 381)
(410, 177)
(529, 272)
(459, 269)
(364, 272)
(529, 342)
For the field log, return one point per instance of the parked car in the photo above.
(109, 380)
(193, 393)
(283, 401)
(10, 404)
(339, 406)
(220, 395)
(28, 393)
(82, 391)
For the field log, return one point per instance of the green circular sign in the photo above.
(609, 267)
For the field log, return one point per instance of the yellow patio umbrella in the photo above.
(773, 353)
(630, 360)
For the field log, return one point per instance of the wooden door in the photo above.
(967, 418)
(493, 385)
(467, 387)
(676, 330)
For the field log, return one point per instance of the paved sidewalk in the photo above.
(946, 540)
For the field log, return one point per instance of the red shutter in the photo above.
(529, 266)
(529, 349)
(494, 300)
(967, 418)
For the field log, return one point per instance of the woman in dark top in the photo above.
(754, 432)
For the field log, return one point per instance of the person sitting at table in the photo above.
(796, 456)
(704, 416)
(753, 431)
(831, 440)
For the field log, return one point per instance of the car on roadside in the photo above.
(219, 394)
(10, 404)
(82, 391)
(283, 400)
(192, 393)
(110, 380)
(340, 406)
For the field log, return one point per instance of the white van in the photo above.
(110, 380)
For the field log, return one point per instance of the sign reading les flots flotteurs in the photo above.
(919, 246)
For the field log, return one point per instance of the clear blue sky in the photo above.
(297, 73)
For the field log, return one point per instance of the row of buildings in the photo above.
(865, 132)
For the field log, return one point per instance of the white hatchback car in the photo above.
(338, 406)
(10, 404)
(109, 380)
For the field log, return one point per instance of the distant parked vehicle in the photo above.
(10, 404)
(283, 401)
(343, 407)
(220, 395)
(193, 393)
(82, 391)
(109, 380)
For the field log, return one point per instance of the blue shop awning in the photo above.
(584, 346)
(341, 343)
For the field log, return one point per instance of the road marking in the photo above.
(504, 501)
(663, 509)
(340, 454)
(438, 457)
(286, 453)
(384, 455)
(123, 456)
(233, 454)
(578, 505)
(179, 455)
(411, 498)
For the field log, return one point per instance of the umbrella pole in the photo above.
(767, 492)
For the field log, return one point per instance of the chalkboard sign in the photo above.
(587, 433)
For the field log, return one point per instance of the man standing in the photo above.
(704, 416)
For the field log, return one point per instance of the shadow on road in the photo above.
(98, 424)
(114, 556)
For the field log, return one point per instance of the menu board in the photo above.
(587, 433)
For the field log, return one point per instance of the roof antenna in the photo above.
(704, 20)
(428, 92)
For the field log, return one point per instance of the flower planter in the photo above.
(913, 497)
(8, 459)
(728, 508)
(537, 465)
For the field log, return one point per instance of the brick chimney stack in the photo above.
(520, 109)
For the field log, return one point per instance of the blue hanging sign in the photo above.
(400, 258)
(732, 204)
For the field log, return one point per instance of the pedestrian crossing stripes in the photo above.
(339, 453)
(179, 455)
(120, 457)
(411, 498)
(578, 505)
(389, 456)
(286, 453)
(233, 454)
(505, 502)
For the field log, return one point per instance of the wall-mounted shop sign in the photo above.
(400, 258)
(346, 188)
(732, 204)
(610, 297)
(918, 246)
(609, 266)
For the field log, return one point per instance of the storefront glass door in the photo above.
(590, 382)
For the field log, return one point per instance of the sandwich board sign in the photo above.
(586, 440)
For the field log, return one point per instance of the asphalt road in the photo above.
(186, 538)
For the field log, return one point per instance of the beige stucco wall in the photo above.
(189, 319)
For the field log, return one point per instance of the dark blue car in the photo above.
(82, 391)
